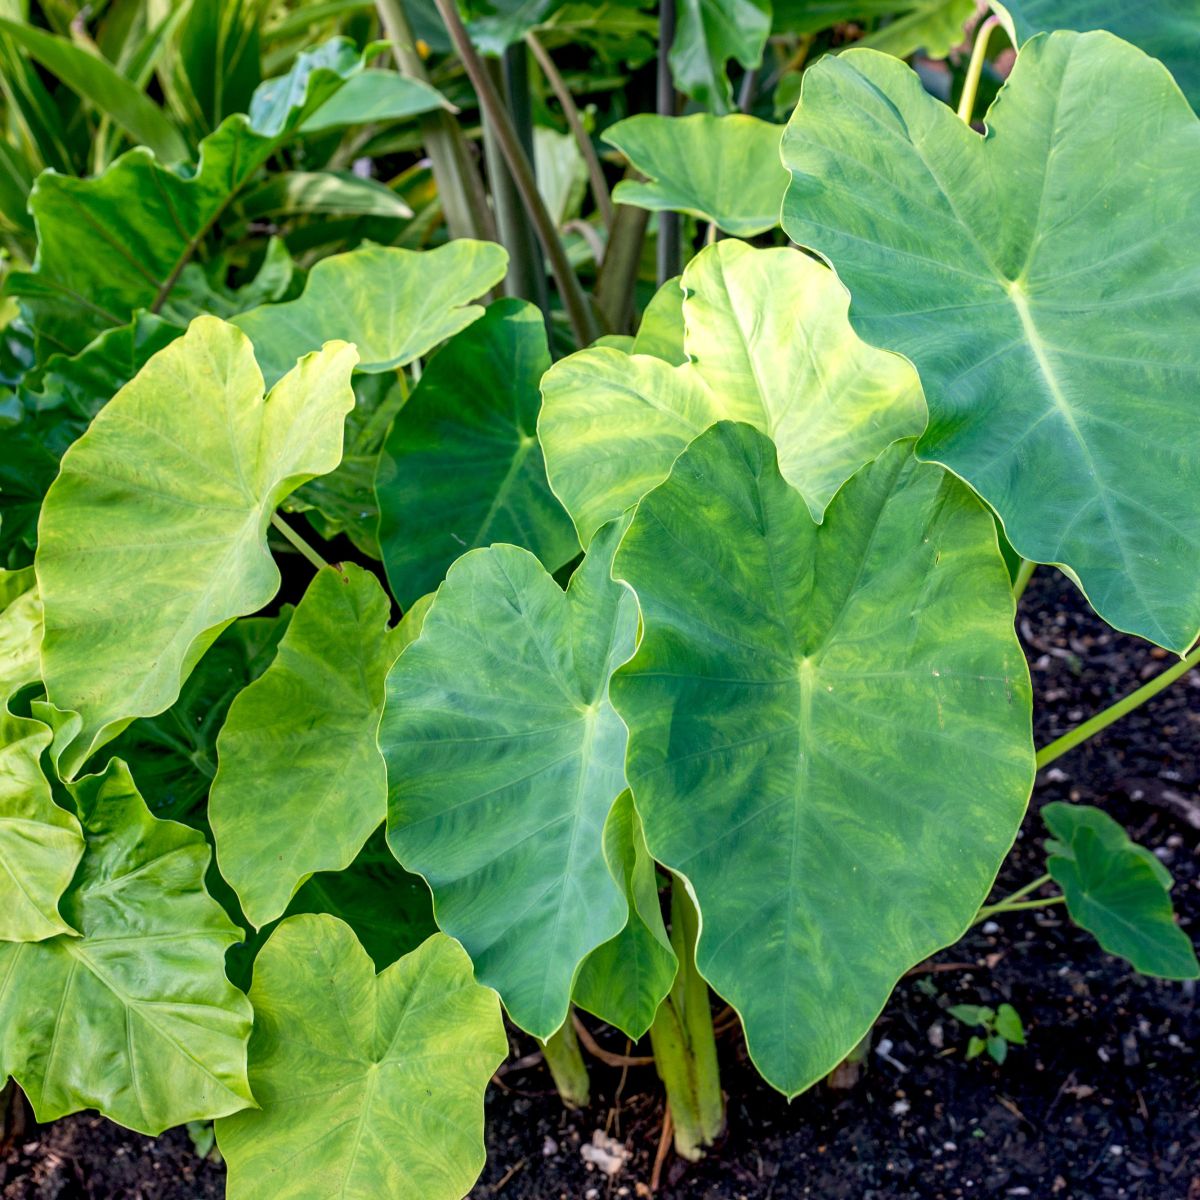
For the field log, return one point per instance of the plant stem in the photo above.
(583, 322)
(746, 90)
(1024, 574)
(966, 102)
(460, 190)
(1014, 900)
(685, 1047)
(600, 192)
(670, 256)
(567, 1067)
(297, 541)
(1021, 905)
(1032, 886)
(617, 277)
(526, 275)
(1102, 720)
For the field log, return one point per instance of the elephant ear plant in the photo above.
(382, 656)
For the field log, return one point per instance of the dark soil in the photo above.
(1102, 1104)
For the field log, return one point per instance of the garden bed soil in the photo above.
(1102, 1104)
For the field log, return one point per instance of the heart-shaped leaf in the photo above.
(1117, 890)
(504, 757)
(829, 729)
(369, 1085)
(394, 305)
(301, 783)
(462, 466)
(1048, 299)
(720, 169)
(134, 1016)
(769, 344)
(153, 536)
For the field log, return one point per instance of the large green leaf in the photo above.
(394, 305)
(720, 169)
(133, 1017)
(116, 243)
(1168, 29)
(300, 783)
(504, 758)
(829, 729)
(624, 981)
(1044, 281)
(769, 344)
(370, 1085)
(462, 466)
(1117, 890)
(708, 34)
(153, 536)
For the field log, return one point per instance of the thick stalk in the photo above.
(460, 190)
(583, 323)
(685, 1048)
(567, 1067)
(966, 102)
(1102, 720)
(670, 255)
(746, 91)
(526, 276)
(297, 541)
(617, 277)
(566, 101)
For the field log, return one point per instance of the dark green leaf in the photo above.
(504, 758)
(1046, 297)
(804, 705)
(462, 466)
